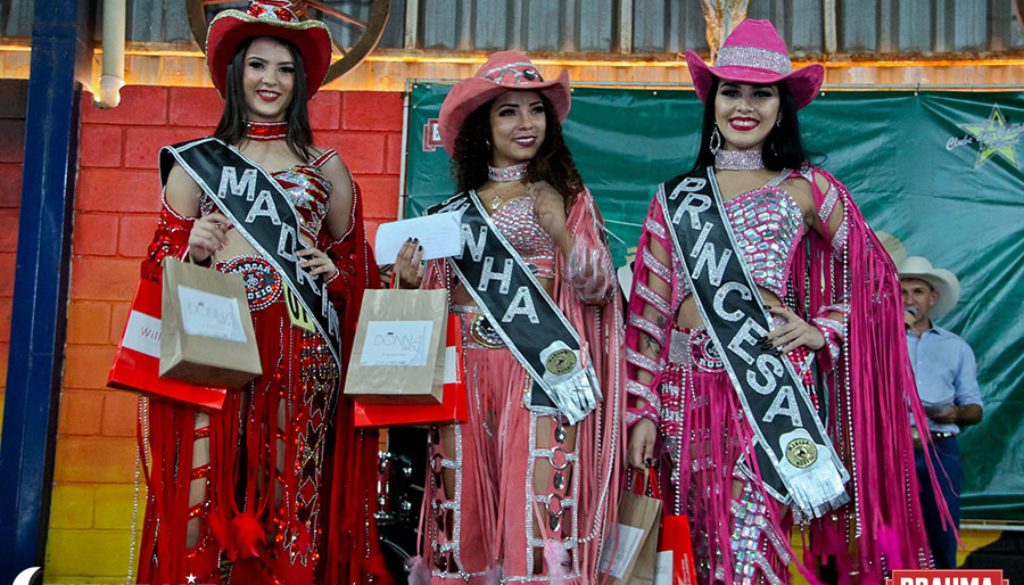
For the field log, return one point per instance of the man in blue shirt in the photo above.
(947, 382)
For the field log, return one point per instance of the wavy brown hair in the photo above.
(553, 162)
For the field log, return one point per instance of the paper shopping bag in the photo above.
(397, 353)
(453, 400)
(207, 334)
(628, 554)
(674, 564)
(136, 364)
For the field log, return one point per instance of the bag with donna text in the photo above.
(398, 354)
(207, 335)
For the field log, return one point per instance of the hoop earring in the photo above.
(778, 122)
(715, 142)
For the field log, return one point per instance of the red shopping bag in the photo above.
(136, 364)
(674, 563)
(453, 398)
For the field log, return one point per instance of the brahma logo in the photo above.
(948, 577)
(431, 136)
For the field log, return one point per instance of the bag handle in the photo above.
(648, 478)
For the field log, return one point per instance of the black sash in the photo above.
(263, 213)
(523, 314)
(795, 456)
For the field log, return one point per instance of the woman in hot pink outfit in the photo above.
(832, 301)
(525, 490)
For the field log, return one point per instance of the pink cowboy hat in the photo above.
(268, 18)
(503, 71)
(754, 53)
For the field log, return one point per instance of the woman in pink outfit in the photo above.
(767, 367)
(525, 490)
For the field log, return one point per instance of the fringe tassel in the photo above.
(419, 574)
(557, 560)
(493, 574)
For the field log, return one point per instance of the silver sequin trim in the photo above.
(648, 327)
(754, 57)
(652, 298)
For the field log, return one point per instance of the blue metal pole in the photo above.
(60, 45)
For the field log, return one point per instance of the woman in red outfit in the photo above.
(241, 495)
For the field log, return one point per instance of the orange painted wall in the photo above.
(115, 213)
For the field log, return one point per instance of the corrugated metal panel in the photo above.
(885, 28)
(16, 18)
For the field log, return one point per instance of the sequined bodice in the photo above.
(307, 187)
(768, 225)
(516, 221)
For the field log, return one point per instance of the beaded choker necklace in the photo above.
(515, 172)
(738, 160)
(266, 130)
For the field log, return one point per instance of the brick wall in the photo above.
(12, 153)
(115, 213)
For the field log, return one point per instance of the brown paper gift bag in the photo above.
(399, 347)
(629, 554)
(206, 331)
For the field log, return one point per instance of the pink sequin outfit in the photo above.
(495, 517)
(857, 380)
(516, 221)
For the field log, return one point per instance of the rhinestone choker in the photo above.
(507, 174)
(266, 130)
(739, 160)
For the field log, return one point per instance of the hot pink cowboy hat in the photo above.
(268, 18)
(754, 53)
(503, 71)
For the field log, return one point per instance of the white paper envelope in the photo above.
(439, 234)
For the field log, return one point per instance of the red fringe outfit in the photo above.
(861, 384)
(278, 505)
(495, 524)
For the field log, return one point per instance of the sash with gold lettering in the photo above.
(523, 314)
(795, 456)
(264, 215)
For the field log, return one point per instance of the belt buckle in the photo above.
(482, 332)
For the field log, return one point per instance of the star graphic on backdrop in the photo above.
(995, 137)
(192, 579)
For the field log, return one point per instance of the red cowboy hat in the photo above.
(754, 53)
(503, 71)
(268, 18)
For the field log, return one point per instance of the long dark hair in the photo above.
(783, 148)
(553, 162)
(231, 128)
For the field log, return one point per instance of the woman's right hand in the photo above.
(642, 437)
(209, 234)
(409, 264)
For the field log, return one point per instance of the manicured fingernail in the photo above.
(419, 249)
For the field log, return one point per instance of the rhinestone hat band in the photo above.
(739, 160)
(754, 57)
(520, 73)
(515, 172)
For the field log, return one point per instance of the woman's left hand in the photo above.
(317, 262)
(795, 333)
(549, 205)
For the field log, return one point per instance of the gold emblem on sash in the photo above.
(801, 453)
(561, 362)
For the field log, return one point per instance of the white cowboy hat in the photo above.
(941, 280)
(893, 246)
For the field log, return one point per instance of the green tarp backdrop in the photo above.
(939, 170)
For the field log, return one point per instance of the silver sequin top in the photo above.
(516, 221)
(768, 225)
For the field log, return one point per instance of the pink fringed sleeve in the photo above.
(865, 387)
(649, 318)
